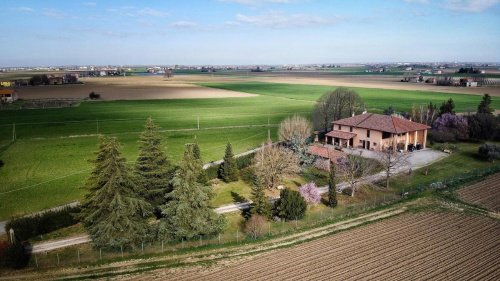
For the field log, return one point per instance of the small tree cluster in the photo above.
(310, 193)
(447, 107)
(113, 212)
(291, 205)
(335, 105)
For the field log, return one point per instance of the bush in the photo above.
(241, 162)
(94, 96)
(291, 205)
(444, 136)
(247, 175)
(28, 227)
(16, 255)
(255, 226)
(447, 146)
(310, 193)
(489, 152)
(1, 163)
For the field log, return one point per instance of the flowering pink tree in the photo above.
(310, 193)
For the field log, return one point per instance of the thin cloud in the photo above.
(89, 4)
(132, 11)
(184, 24)
(54, 13)
(282, 20)
(471, 6)
(23, 9)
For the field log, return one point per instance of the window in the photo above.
(367, 133)
(386, 135)
(340, 127)
(374, 144)
(350, 129)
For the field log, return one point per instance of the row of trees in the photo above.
(119, 206)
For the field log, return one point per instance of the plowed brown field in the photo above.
(424, 246)
(485, 193)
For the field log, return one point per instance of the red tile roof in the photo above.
(325, 152)
(341, 135)
(379, 122)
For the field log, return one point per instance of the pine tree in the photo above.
(332, 193)
(484, 106)
(291, 205)
(202, 175)
(260, 204)
(112, 211)
(228, 170)
(153, 168)
(187, 213)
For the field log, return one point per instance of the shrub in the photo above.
(310, 193)
(27, 227)
(255, 226)
(94, 96)
(452, 124)
(1, 163)
(490, 152)
(241, 162)
(291, 205)
(16, 256)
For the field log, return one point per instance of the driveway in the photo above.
(416, 159)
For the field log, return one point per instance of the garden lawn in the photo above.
(376, 100)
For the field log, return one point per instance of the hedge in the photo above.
(28, 227)
(241, 162)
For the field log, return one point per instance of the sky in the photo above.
(231, 32)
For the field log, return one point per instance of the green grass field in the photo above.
(48, 163)
(376, 100)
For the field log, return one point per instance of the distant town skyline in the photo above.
(242, 32)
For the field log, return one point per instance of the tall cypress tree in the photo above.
(228, 170)
(484, 106)
(260, 205)
(153, 168)
(187, 213)
(112, 211)
(332, 193)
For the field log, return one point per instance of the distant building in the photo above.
(8, 95)
(6, 83)
(55, 79)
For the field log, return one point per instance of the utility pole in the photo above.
(13, 131)
(97, 125)
(198, 119)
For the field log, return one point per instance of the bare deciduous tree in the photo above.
(274, 162)
(391, 160)
(294, 129)
(425, 114)
(353, 168)
(335, 105)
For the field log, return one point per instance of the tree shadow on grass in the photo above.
(238, 198)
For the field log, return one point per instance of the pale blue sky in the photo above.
(247, 31)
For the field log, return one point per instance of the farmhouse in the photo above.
(377, 132)
(8, 95)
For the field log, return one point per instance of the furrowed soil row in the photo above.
(314, 251)
(457, 267)
(403, 251)
(451, 249)
(447, 246)
(242, 270)
(306, 252)
(396, 249)
(309, 251)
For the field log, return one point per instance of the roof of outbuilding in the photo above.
(379, 122)
(325, 152)
(341, 135)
